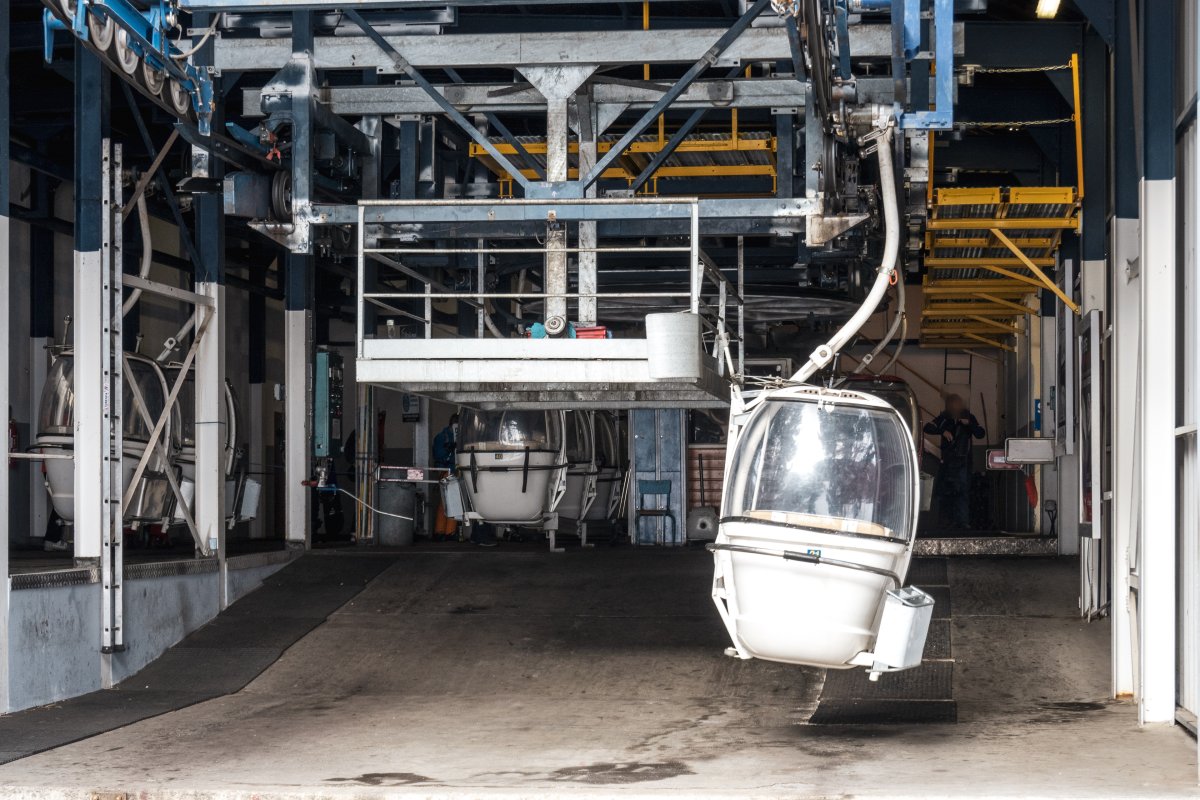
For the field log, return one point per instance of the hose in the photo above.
(899, 342)
(147, 252)
(491, 326)
(184, 56)
(891, 332)
(891, 251)
(365, 504)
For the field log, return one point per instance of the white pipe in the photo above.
(491, 326)
(147, 252)
(891, 251)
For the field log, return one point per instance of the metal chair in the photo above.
(653, 490)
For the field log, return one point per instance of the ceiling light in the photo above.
(1047, 9)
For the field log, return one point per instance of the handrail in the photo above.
(807, 558)
(708, 291)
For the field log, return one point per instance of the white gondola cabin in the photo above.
(817, 530)
(512, 464)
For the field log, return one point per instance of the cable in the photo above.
(365, 504)
(189, 53)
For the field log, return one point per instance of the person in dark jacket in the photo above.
(955, 427)
(444, 444)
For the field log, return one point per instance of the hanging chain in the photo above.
(1017, 70)
(1027, 123)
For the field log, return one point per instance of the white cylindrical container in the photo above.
(674, 347)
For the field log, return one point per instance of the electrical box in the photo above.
(327, 404)
(1036, 450)
(903, 628)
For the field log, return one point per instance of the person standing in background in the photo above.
(444, 445)
(955, 428)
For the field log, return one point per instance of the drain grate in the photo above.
(929, 572)
(933, 680)
(937, 643)
(861, 711)
(924, 695)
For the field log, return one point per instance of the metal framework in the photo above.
(540, 372)
(987, 254)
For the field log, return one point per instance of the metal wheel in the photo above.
(68, 8)
(153, 78)
(101, 30)
(281, 196)
(177, 97)
(127, 60)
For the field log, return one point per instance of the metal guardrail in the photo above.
(708, 293)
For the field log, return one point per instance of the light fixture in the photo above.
(1047, 9)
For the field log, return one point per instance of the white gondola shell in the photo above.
(817, 525)
(56, 435)
(580, 488)
(512, 464)
(608, 468)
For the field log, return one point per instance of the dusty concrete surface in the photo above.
(526, 674)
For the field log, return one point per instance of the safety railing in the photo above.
(692, 283)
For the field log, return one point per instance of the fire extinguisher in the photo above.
(14, 442)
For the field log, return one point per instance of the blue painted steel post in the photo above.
(1124, 292)
(91, 124)
(209, 385)
(1157, 579)
(5, 99)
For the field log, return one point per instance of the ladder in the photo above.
(957, 368)
(112, 357)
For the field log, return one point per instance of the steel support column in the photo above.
(256, 454)
(41, 333)
(1124, 294)
(5, 332)
(298, 324)
(209, 504)
(1154, 564)
(588, 136)
(297, 366)
(91, 112)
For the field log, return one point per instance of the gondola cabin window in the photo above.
(837, 468)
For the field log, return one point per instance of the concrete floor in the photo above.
(517, 673)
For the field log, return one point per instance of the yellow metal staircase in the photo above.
(987, 254)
